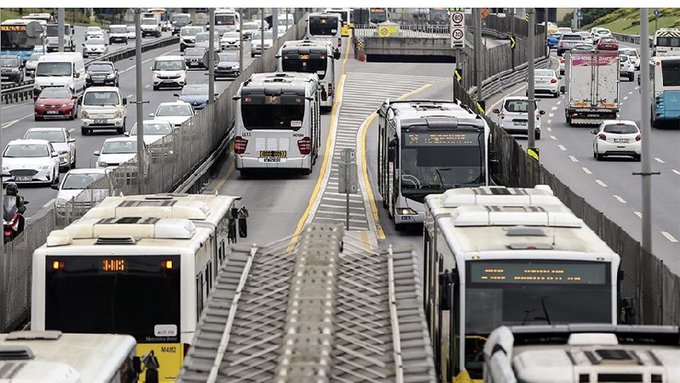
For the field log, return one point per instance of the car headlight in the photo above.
(112, 75)
(407, 211)
(118, 114)
(102, 164)
(84, 114)
(236, 67)
(44, 167)
(40, 105)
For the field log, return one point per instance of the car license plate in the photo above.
(273, 154)
(520, 123)
(620, 140)
(271, 159)
(52, 112)
(23, 179)
(100, 121)
(593, 115)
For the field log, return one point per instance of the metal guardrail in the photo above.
(24, 92)
(634, 39)
(508, 78)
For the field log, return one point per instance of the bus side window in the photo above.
(209, 277)
(199, 296)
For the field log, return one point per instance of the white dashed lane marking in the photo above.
(549, 129)
(619, 198)
(586, 170)
(551, 115)
(676, 172)
(562, 148)
(659, 160)
(553, 138)
(599, 182)
(553, 108)
(669, 236)
(573, 159)
(638, 214)
(625, 98)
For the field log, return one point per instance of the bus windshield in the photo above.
(15, 40)
(94, 294)
(323, 25)
(225, 19)
(670, 72)
(377, 15)
(433, 162)
(312, 65)
(272, 112)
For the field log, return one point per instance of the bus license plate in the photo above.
(271, 159)
(273, 154)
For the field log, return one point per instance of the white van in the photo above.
(312, 56)
(103, 107)
(169, 71)
(60, 69)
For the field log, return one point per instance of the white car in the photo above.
(230, 40)
(103, 107)
(95, 47)
(97, 181)
(512, 117)
(187, 36)
(587, 37)
(94, 34)
(249, 28)
(546, 81)
(564, 30)
(61, 140)
(118, 150)
(131, 32)
(626, 67)
(256, 43)
(169, 71)
(617, 138)
(154, 130)
(633, 56)
(30, 161)
(600, 32)
(175, 112)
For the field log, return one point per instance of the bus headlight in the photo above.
(407, 211)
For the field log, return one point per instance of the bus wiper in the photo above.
(545, 311)
(439, 174)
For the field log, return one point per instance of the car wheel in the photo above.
(56, 176)
(73, 163)
(637, 157)
(599, 156)
(155, 87)
(557, 94)
(306, 172)
(83, 131)
(37, 118)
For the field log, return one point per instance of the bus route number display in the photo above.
(13, 28)
(113, 265)
(437, 139)
(586, 273)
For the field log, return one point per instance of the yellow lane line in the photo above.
(364, 168)
(224, 178)
(325, 167)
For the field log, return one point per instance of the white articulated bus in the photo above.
(278, 123)
(324, 26)
(312, 56)
(582, 354)
(426, 147)
(665, 90)
(54, 357)
(345, 18)
(511, 263)
(138, 265)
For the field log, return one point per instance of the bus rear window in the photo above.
(272, 116)
(317, 66)
(136, 295)
(323, 26)
(670, 71)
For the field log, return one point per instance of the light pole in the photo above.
(531, 126)
(211, 57)
(60, 25)
(240, 45)
(477, 15)
(139, 102)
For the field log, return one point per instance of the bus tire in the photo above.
(326, 109)
(306, 172)
(245, 173)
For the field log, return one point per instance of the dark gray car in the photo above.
(228, 65)
(194, 57)
(101, 73)
(11, 69)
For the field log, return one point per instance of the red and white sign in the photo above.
(457, 29)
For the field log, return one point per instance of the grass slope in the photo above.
(627, 20)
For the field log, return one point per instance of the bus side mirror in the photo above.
(638, 80)
(445, 290)
(242, 216)
(336, 54)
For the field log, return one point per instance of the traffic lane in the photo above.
(276, 200)
(416, 69)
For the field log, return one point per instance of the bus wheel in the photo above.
(306, 172)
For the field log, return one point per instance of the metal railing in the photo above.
(173, 163)
(508, 78)
(24, 92)
(397, 30)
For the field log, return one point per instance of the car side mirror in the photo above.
(96, 153)
(176, 94)
(151, 115)
(124, 100)
(83, 44)
(336, 54)
(55, 154)
(497, 111)
(594, 131)
(54, 187)
(541, 112)
(71, 140)
(77, 75)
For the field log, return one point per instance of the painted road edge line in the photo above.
(669, 236)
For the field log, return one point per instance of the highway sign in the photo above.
(457, 29)
(657, 13)
(579, 14)
(484, 12)
(513, 42)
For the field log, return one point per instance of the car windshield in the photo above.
(572, 37)
(155, 128)
(174, 110)
(205, 36)
(55, 69)
(194, 52)
(195, 89)
(100, 68)
(60, 93)
(9, 61)
(26, 150)
(623, 58)
(93, 29)
(603, 31)
(80, 180)
(120, 147)
(177, 19)
(228, 56)
(517, 106)
(169, 65)
(101, 98)
(35, 57)
(607, 40)
(544, 73)
(193, 31)
(122, 29)
(53, 136)
(149, 21)
(583, 47)
(620, 129)
(95, 41)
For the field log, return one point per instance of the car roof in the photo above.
(45, 129)
(102, 89)
(521, 98)
(86, 171)
(173, 103)
(169, 58)
(22, 141)
(618, 122)
(117, 139)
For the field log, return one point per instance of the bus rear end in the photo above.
(666, 94)
(324, 27)
(120, 294)
(312, 59)
(276, 126)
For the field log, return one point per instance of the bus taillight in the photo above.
(240, 144)
(305, 145)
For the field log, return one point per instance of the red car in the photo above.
(607, 44)
(56, 103)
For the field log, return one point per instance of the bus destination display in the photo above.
(13, 28)
(513, 272)
(440, 138)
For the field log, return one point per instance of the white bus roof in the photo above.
(583, 354)
(492, 195)
(94, 358)
(412, 109)
(307, 43)
(473, 231)
(196, 207)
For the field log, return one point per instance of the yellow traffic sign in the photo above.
(457, 75)
(383, 32)
(513, 42)
(533, 153)
(479, 108)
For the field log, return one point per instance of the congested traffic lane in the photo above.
(609, 185)
(17, 118)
